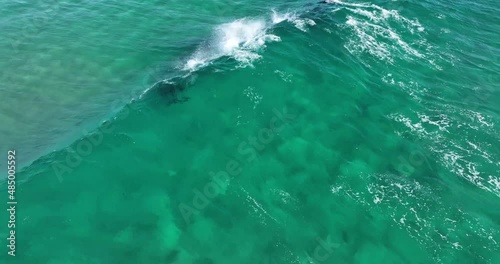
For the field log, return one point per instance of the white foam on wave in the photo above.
(372, 31)
(384, 13)
(347, 4)
(300, 23)
(379, 14)
(303, 23)
(465, 166)
(378, 39)
(240, 39)
(409, 203)
(412, 88)
(468, 160)
(277, 18)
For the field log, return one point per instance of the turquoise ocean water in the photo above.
(278, 131)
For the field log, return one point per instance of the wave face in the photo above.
(271, 132)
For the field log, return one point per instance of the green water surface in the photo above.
(340, 132)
